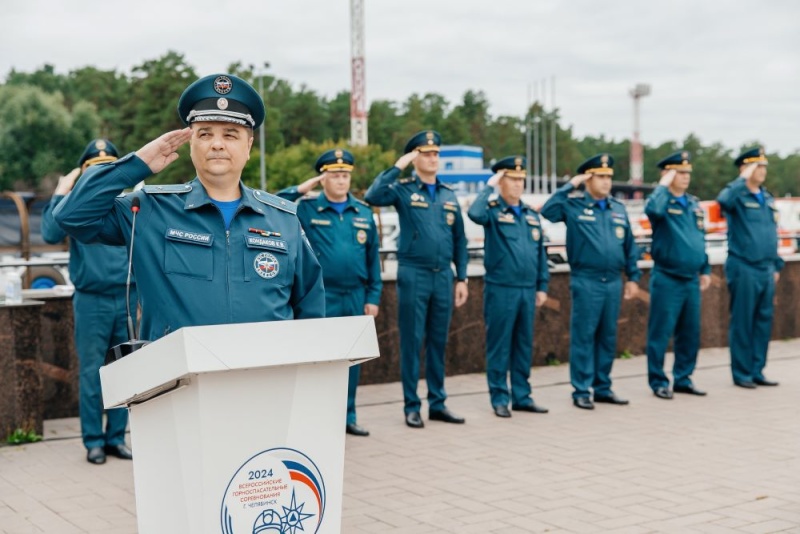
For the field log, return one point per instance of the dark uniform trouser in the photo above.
(100, 323)
(425, 299)
(347, 303)
(508, 313)
(752, 290)
(674, 309)
(593, 332)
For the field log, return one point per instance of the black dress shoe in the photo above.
(690, 389)
(663, 393)
(501, 411)
(533, 408)
(746, 385)
(414, 420)
(356, 430)
(584, 403)
(445, 415)
(765, 382)
(121, 451)
(611, 399)
(96, 455)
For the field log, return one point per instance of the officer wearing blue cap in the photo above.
(343, 234)
(680, 272)
(211, 251)
(99, 273)
(599, 247)
(431, 239)
(752, 267)
(515, 284)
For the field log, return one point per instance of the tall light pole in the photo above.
(358, 93)
(637, 156)
(261, 134)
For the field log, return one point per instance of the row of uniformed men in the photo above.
(193, 236)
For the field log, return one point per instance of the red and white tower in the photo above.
(637, 154)
(358, 93)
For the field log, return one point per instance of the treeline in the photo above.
(46, 119)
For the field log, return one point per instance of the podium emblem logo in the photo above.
(277, 491)
(266, 265)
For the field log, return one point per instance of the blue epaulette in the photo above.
(407, 180)
(171, 188)
(275, 201)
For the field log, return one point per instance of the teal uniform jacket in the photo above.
(750, 268)
(514, 251)
(190, 271)
(679, 256)
(346, 245)
(598, 243)
(93, 268)
(431, 231)
(679, 239)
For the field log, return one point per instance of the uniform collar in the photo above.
(506, 207)
(323, 203)
(198, 196)
(422, 184)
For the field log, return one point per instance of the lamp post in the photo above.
(261, 134)
(637, 157)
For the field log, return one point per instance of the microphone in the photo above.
(133, 344)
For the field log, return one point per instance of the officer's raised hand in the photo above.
(631, 290)
(579, 179)
(495, 179)
(310, 184)
(159, 153)
(749, 170)
(541, 298)
(666, 180)
(66, 183)
(461, 293)
(406, 159)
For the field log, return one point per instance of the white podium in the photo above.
(239, 429)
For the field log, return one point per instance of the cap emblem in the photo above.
(100, 144)
(223, 85)
(222, 103)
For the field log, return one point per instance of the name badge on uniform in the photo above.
(505, 218)
(675, 211)
(361, 225)
(321, 222)
(265, 243)
(587, 218)
(755, 205)
(419, 204)
(450, 206)
(532, 220)
(190, 237)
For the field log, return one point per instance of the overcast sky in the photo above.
(727, 70)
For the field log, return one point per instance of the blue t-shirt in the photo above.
(338, 206)
(516, 209)
(431, 191)
(228, 209)
(602, 204)
(759, 197)
(682, 200)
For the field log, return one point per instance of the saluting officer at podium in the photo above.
(680, 272)
(431, 239)
(210, 251)
(515, 284)
(600, 247)
(342, 232)
(99, 273)
(752, 268)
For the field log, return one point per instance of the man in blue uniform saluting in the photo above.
(431, 239)
(515, 284)
(680, 272)
(343, 234)
(752, 268)
(99, 273)
(211, 251)
(599, 247)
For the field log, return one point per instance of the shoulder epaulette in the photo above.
(362, 202)
(172, 188)
(617, 201)
(275, 201)
(493, 197)
(405, 180)
(575, 194)
(447, 186)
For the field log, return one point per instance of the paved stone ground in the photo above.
(729, 462)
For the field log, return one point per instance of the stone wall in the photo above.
(37, 351)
